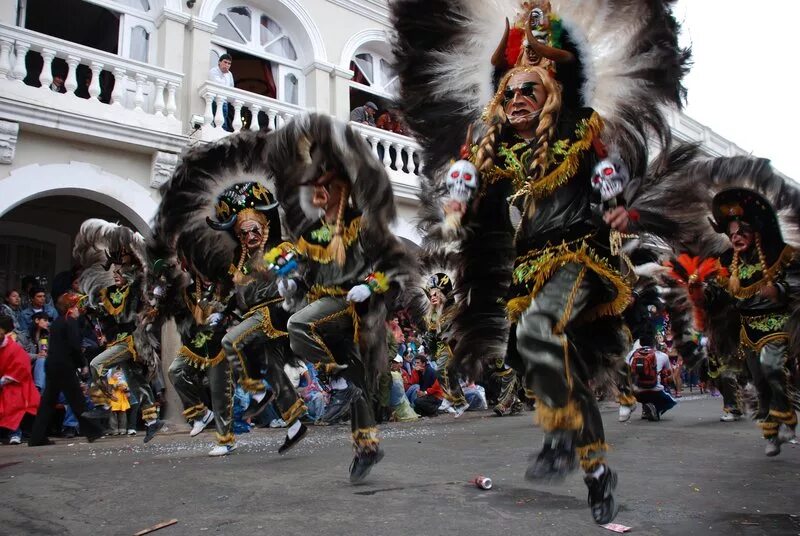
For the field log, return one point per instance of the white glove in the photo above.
(214, 319)
(159, 292)
(359, 293)
(286, 288)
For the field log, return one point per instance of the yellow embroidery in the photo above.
(770, 274)
(110, 308)
(325, 254)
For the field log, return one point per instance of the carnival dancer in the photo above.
(200, 356)
(113, 259)
(748, 301)
(339, 203)
(229, 249)
(440, 293)
(577, 92)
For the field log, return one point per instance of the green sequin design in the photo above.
(200, 340)
(117, 297)
(768, 323)
(323, 235)
(746, 271)
(529, 268)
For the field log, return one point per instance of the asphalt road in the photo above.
(688, 474)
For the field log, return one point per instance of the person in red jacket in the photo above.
(18, 394)
(424, 388)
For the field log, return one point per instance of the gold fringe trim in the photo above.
(626, 400)
(545, 186)
(784, 417)
(194, 411)
(110, 308)
(99, 398)
(252, 385)
(349, 310)
(150, 413)
(227, 439)
(759, 345)
(549, 261)
(365, 440)
(297, 410)
(768, 275)
(127, 341)
(318, 291)
(566, 418)
(199, 361)
(327, 254)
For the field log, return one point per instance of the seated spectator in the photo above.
(12, 306)
(398, 401)
(306, 386)
(647, 367)
(38, 304)
(18, 394)
(364, 114)
(57, 85)
(424, 391)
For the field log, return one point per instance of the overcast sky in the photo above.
(744, 83)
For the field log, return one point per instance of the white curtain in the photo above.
(140, 40)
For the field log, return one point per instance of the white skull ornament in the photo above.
(609, 179)
(462, 180)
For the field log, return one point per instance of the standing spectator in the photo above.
(38, 304)
(12, 306)
(648, 365)
(222, 75)
(63, 360)
(119, 403)
(388, 121)
(18, 394)
(364, 114)
(40, 332)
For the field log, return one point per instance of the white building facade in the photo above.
(136, 93)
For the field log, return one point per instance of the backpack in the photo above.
(644, 368)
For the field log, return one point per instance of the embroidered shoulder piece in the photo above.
(315, 244)
(114, 302)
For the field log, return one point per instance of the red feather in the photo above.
(514, 45)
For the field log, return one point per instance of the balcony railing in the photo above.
(123, 84)
(398, 153)
(246, 110)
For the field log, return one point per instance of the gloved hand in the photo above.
(159, 292)
(286, 288)
(214, 319)
(359, 293)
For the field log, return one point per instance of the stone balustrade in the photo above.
(398, 153)
(246, 110)
(28, 58)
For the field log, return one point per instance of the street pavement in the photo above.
(688, 474)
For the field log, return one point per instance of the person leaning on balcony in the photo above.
(222, 75)
(364, 114)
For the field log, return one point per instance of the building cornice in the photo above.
(202, 25)
(377, 10)
(172, 15)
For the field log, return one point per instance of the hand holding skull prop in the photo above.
(462, 183)
(609, 180)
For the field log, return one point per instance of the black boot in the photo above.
(289, 443)
(556, 459)
(257, 408)
(363, 463)
(601, 498)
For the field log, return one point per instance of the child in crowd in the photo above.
(119, 401)
(40, 332)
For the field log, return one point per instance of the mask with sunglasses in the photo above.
(526, 89)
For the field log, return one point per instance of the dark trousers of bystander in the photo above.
(662, 400)
(60, 378)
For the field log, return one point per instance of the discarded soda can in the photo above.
(483, 482)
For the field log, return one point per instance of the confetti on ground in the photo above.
(616, 527)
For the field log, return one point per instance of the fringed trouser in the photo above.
(624, 384)
(266, 350)
(120, 354)
(187, 378)
(448, 378)
(323, 332)
(727, 375)
(773, 387)
(557, 380)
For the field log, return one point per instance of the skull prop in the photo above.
(609, 180)
(462, 181)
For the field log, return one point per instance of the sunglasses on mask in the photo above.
(742, 231)
(526, 89)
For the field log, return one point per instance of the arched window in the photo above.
(265, 60)
(373, 71)
(255, 31)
